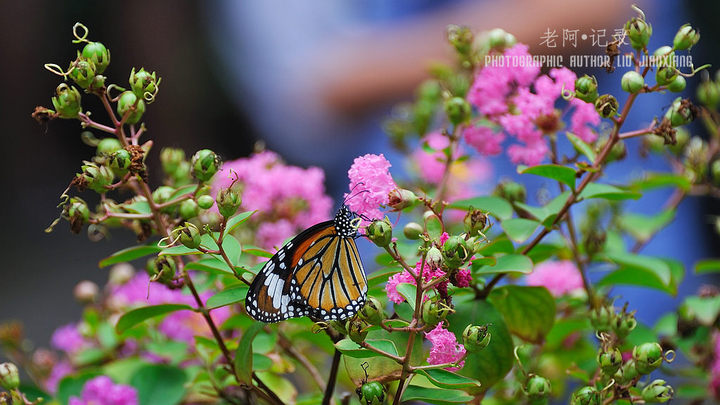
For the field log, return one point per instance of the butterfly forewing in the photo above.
(317, 274)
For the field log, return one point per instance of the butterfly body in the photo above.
(317, 274)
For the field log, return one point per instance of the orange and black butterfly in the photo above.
(317, 274)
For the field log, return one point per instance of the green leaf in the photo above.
(640, 278)
(551, 209)
(244, 354)
(529, 312)
(89, 356)
(136, 316)
(230, 244)
(562, 174)
(180, 191)
(643, 227)
(608, 192)
(497, 245)
(707, 266)
(129, 254)
(212, 265)
(496, 206)
(121, 370)
(261, 362)
(159, 384)
(564, 328)
(409, 291)
(582, 146)
(658, 180)
(491, 364)
(171, 350)
(256, 251)
(237, 220)
(352, 349)
(643, 271)
(138, 207)
(519, 229)
(72, 385)
(381, 275)
(704, 309)
(434, 227)
(449, 380)
(507, 264)
(435, 395)
(227, 297)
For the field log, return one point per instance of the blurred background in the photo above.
(310, 80)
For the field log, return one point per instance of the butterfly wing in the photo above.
(317, 274)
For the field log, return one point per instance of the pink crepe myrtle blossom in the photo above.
(102, 391)
(406, 277)
(69, 339)
(484, 139)
(445, 348)
(292, 197)
(715, 367)
(370, 185)
(60, 370)
(463, 277)
(559, 277)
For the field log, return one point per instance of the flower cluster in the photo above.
(522, 103)
(370, 185)
(559, 277)
(288, 198)
(445, 348)
(428, 274)
(102, 391)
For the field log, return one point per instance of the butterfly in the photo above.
(317, 274)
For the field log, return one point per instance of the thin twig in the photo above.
(327, 397)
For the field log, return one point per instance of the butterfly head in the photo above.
(346, 222)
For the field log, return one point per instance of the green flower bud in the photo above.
(96, 177)
(338, 326)
(457, 110)
(161, 268)
(665, 75)
(537, 387)
(205, 163)
(82, 72)
(182, 174)
(455, 252)
(664, 56)
(190, 235)
(627, 373)
(586, 88)
(98, 84)
(78, 214)
(511, 191)
(413, 230)
(601, 318)
(624, 324)
(162, 194)
(108, 146)
(657, 391)
(98, 54)
(189, 209)
(401, 198)
(648, 357)
(476, 338)
(686, 37)
(142, 82)
(357, 329)
(171, 158)
(677, 85)
(86, 292)
(715, 171)
(434, 257)
(429, 91)
(708, 93)
(475, 222)
(372, 393)
(67, 101)
(499, 39)
(610, 361)
(120, 162)
(205, 201)
(632, 82)
(606, 105)
(460, 37)
(434, 312)
(586, 396)
(228, 202)
(372, 312)
(681, 112)
(129, 102)
(380, 233)
(9, 376)
(639, 32)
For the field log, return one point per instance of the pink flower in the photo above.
(443, 238)
(59, 371)
(432, 164)
(463, 278)
(370, 184)
(273, 234)
(445, 348)
(584, 114)
(278, 192)
(715, 368)
(484, 139)
(559, 277)
(102, 391)
(68, 339)
(405, 277)
(531, 154)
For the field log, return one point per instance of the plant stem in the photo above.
(327, 397)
